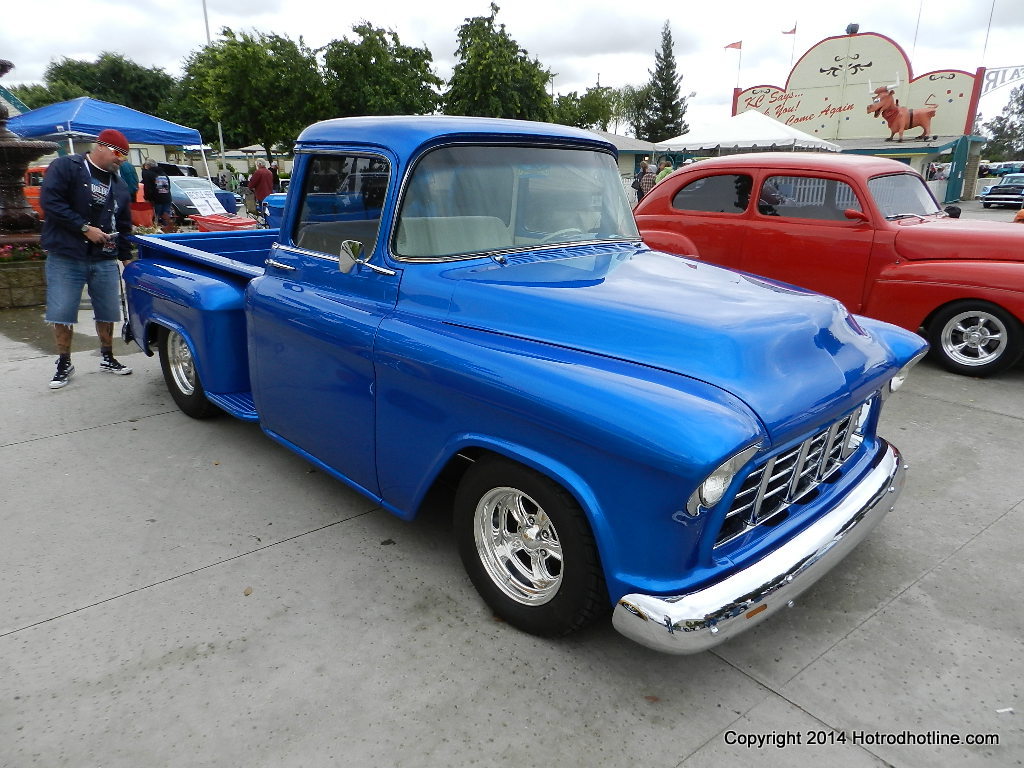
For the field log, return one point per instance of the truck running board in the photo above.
(238, 404)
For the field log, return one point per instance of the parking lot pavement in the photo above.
(186, 593)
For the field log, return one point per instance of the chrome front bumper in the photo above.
(696, 621)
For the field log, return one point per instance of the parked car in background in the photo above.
(1009, 167)
(862, 229)
(33, 183)
(1008, 192)
(183, 206)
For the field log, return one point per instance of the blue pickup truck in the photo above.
(466, 303)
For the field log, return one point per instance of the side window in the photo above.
(728, 193)
(341, 200)
(806, 197)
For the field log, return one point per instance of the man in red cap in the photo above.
(85, 232)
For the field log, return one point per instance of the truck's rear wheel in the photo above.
(528, 549)
(181, 377)
(975, 338)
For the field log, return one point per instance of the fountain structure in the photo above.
(20, 284)
(19, 223)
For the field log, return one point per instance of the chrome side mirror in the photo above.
(352, 254)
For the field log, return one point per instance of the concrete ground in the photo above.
(185, 593)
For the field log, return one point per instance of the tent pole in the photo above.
(202, 149)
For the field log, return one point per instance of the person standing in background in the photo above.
(130, 177)
(156, 188)
(261, 182)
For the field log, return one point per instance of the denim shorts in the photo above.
(65, 278)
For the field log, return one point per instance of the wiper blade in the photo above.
(894, 216)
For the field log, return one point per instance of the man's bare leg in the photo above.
(62, 334)
(106, 333)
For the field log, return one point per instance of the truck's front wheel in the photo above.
(181, 377)
(528, 549)
(975, 338)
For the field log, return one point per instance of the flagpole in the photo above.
(739, 66)
(988, 29)
(792, 50)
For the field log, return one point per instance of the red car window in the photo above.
(806, 197)
(726, 193)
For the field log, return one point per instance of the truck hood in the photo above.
(965, 239)
(793, 356)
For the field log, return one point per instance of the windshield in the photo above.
(903, 194)
(474, 199)
(188, 182)
(1012, 178)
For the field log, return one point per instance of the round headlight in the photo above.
(711, 491)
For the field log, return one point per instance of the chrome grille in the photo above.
(791, 477)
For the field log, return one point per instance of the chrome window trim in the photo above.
(337, 153)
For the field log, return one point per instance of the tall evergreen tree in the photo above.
(666, 106)
(494, 76)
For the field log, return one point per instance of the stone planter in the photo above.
(22, 284)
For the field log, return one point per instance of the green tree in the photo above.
(667, 107)
(1006, 131)
(566, 110)
(36, 95)
(597, 106)
(494, 77)
(263, 88)
(635, 105)
(592, 110)
(377, 75)
(111, 78)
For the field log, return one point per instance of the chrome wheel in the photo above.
(974, 338)
(181, 376)
(182, 366)
(518, 546)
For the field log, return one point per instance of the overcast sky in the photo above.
(582, 42)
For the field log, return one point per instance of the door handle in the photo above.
(279, 265)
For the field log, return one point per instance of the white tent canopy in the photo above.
(747, 130)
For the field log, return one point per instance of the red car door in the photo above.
(707, 216)
(799, 234)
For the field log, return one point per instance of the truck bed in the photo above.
(193, 283)
(241, 253)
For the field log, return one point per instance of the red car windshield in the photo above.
(902, 194)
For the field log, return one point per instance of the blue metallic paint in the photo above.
(624, 374)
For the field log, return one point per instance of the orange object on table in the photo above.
(142, 214)
(220, 222)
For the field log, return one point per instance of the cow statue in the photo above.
(885, 105)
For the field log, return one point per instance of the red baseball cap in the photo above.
(110, 137)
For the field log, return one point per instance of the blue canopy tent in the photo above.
(84, 118)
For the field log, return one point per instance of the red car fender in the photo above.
(908, 293)
(670, 242)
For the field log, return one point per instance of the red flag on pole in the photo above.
(738, 45)
(791, 32)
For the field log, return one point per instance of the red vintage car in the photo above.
(865, 230)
